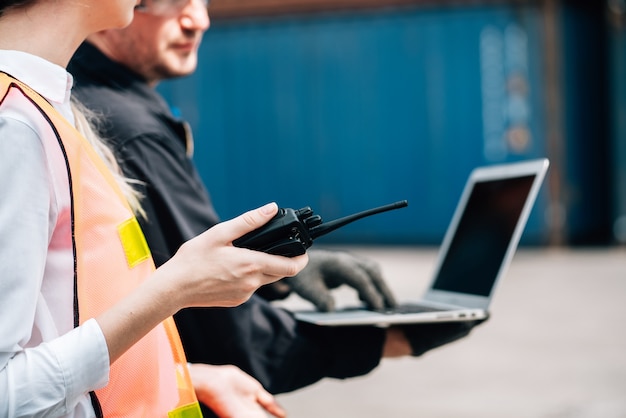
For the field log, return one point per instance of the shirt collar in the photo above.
(90, 65)
(52, 81)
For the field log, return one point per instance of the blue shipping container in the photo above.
(344, 112)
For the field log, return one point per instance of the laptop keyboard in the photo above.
(407, 308)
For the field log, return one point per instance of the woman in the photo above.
(86, 325)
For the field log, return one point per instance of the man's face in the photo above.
(163, 39)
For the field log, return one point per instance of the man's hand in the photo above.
(330, 269)
(424, 337)
(230, 392)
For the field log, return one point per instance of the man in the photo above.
(115, 75)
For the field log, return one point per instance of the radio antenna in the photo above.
(323, 229)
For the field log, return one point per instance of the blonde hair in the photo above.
(86, 121)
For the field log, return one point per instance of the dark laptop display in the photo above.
(483, 236)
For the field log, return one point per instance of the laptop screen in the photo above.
(483, 234)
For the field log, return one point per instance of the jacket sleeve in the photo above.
(279, 351)
(264, 341)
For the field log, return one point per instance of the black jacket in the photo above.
(150, 143)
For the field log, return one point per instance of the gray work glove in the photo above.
(425, 337)
(328, 270)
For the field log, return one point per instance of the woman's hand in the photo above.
(206, 271)
(209, 271)
(230, 392)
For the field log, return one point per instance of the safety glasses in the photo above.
(166, 7)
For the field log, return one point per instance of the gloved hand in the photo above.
(425, 337)
(328, 270)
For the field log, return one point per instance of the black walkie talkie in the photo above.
(291, 232)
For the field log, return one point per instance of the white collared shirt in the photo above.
(47, 367)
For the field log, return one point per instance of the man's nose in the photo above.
(195, 16)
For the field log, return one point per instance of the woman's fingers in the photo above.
(230, 230)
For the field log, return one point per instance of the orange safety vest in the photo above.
(111, 259)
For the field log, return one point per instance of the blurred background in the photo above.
(343, 105)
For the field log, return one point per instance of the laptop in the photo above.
(475, 253)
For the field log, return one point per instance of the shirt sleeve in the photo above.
(55, 376)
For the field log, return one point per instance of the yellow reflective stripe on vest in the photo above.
(187, 411)
(134, 242)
